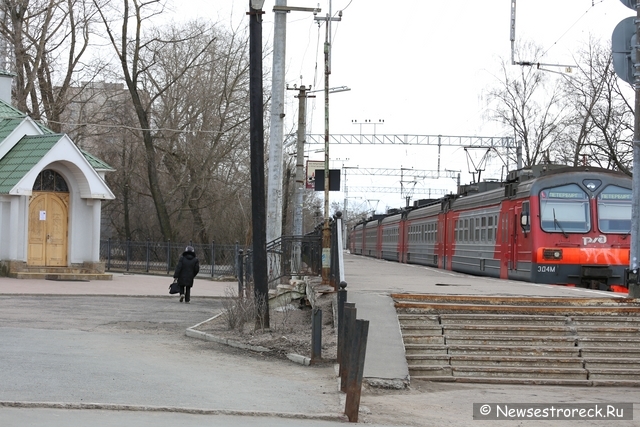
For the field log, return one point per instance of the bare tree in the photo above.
(136, 53)
(100, 119)
(203, 119)
(598, 125)
(527, 101)
(48, 39)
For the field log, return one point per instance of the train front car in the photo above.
(579, 223)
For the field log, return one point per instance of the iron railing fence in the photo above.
(216, 260)
(290, 256)
(287, 256)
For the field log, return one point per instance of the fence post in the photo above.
(349, 326)
(168, 256)
(316, 335)
(332, 255)
(148, 256)
(213, 257)
(357, 352)
(248, 268)
(240, 274)
(342, 298)
(109, 254)
(236, 258)
(128, 253)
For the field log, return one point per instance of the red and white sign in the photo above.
(312, 165)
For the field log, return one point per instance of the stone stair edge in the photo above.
(532, 381)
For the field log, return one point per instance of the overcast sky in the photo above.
(422, 66)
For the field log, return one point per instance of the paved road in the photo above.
(121, 345)
(132, 351)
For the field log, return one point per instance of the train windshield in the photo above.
(614, 210)
(564, 209)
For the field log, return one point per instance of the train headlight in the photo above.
(554, 254)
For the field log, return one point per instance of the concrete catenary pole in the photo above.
(300, 176)
(276, 130)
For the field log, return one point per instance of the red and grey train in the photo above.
(544, 224)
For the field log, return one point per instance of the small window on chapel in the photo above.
(49, 180)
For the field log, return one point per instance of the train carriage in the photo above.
(391, 237)
(422, 235)
(545, 224)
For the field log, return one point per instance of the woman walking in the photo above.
(187, 268)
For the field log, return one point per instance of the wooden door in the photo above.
(48, 223)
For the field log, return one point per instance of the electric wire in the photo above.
(593, 4)
(134, 128)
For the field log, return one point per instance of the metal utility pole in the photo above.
(634, 288)
(276, 130)
(326, 231)
(256, 125)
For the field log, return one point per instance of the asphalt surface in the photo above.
(115, 353)
(71, 352)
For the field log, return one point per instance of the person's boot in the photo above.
(182, 298)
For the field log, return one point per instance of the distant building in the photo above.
(51, 195)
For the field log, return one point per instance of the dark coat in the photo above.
(187, 268)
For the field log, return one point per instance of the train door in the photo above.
(447, 241)
(403, 245)
(512, 227)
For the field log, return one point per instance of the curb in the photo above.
(27, 294)
(193, 333)
(196, 411)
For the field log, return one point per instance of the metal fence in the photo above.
(293, 256)
(216, 261)
(287, 256)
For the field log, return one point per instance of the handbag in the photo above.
(174, 288)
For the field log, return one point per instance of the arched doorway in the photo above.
(48, 220)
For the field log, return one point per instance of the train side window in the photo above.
(476, 230)
(466, 230)
(483, 232)
(614, 210)
(490, 228)
(525, 217)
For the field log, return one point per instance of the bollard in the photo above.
(349, 326)
(357, 351)
(240, 274)
(342, 298)
(316, 335)
(341, 336)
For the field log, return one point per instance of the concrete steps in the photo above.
(521, 340)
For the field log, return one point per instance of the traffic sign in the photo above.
(631, 4)
(623, 42)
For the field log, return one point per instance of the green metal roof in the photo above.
(23, 157)
(8, 125)
(29, 149)
(95, 162)
(9, 112)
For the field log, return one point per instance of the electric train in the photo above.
(545, 224)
